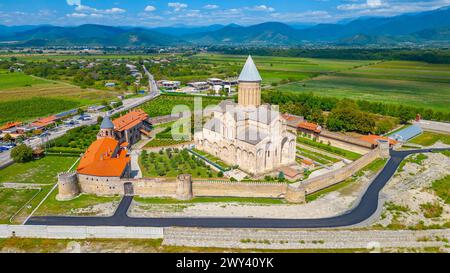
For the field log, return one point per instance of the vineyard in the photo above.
(34, 107)
(76, 141)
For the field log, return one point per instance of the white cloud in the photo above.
(77, 15)
(262, 8)
(370, 4)
(73, 2)
(210, 6)
(150, 8)
(177, 6)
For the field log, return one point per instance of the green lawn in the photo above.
(172, 162)
(51, 206)
(43, 171)
(442, 188)
(209, 200)
(11, 200)
(331, 149)
(321, 158)
(12, 80)
(430, 138)
(395, 82)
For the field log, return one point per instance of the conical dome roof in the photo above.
(107, 123)
(250, 72)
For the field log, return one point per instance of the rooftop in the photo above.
(103, 159)
(250, 72)
(129, 120)
(106, 123)
(373, 139)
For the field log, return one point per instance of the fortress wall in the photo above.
(155, 188)
(239, 189)
(329, 179)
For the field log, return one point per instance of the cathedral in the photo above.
(248, 134)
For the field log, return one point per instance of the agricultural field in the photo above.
(164, 104)
(23, 97)
(173, 162)
(279, 70)
(410, 83)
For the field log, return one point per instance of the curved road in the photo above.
(363, 211)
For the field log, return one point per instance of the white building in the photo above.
(248, 134)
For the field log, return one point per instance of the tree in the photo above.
(22, 154)
(7, 138)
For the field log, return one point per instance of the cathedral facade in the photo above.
(248, 134)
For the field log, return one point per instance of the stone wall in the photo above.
(329, 179)
(239, 189)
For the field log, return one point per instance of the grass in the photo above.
(33, 245)
(321, 158)
(430, 138)
(442, 188)
(173, 162)
(11, 200)
(392, 82)
(53, 207)
(10, 80)
(416, 159)
(210, 200)
(331, 149)
(43, 171)
(431, 210)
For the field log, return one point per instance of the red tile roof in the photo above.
(10, 125)
(102, 159)
(372, 139)
(43, 122)
(310, 126)
(129, 120)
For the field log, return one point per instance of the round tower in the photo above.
(250, 85)
(184, 187)
(296, 195)
(383, 146)
(106, 128)
(67, 186)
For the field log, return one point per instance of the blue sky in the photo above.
(152, 13)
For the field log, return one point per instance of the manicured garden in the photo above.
(334, 150)
(173, 162)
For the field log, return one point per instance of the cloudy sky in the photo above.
(151, 13)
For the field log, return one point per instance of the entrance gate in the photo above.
(128, 189)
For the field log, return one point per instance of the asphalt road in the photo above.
(365, 209)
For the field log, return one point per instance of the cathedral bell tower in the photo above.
(106, 128)
(250, 85)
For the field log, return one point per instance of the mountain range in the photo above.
(429, 26)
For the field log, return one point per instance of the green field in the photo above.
(43, 171)
(430, 138)
(9, 80)
(409, 83)
(11, 200)
(331, 149)
(442, 188)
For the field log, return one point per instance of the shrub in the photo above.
(22, 154)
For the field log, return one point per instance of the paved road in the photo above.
(364, 210)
